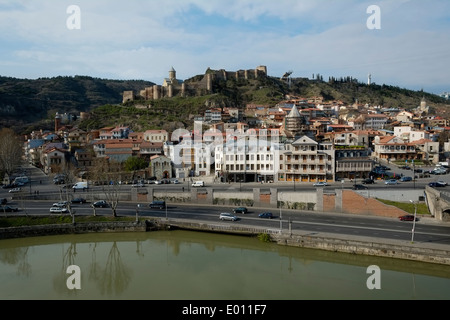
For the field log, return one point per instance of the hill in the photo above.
(31, 104)
(25, 102)
(177, 112)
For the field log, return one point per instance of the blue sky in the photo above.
(143, 39)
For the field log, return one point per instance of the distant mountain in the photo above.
(24, 102)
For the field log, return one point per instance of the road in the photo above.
(374, 227)
(314, 222)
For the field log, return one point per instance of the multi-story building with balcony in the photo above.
(353, 162)
(392, 148)
(306, 160)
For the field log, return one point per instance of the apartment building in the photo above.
(306, 160)
(250, 157)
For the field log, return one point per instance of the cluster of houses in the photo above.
(304, 140)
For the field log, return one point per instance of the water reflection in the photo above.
(191, 265)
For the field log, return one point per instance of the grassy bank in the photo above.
(422, 208)
(15, 221)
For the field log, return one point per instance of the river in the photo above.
(187, 265)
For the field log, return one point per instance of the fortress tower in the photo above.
(172, 74)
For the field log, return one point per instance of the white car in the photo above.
(138, 185)
(60, 204)
(15, 190)
(320, 184)
(58, 210)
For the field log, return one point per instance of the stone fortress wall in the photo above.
(196, 86)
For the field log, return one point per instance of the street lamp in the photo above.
(414, 221)
(281, 222)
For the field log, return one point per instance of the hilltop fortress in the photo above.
(196, 86)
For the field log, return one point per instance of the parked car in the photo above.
(100, 204)
(242, 210)
(320, 184)
(227, 216)
(442, 182)
(8, 209)
(391, 182)
(138, 185)
(266, 215)
(359, 187)
(408, 217)
(368, 181)
(418, 170)
(439, 171)
(159, 204)
(58, 210)
(405, 179)
(78, 200)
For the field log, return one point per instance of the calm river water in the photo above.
(184, 265)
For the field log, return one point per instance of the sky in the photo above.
(404, 43)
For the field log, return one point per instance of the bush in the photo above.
(264, 237)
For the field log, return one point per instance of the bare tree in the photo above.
(11, 151)
(108, 173)
(70, 176)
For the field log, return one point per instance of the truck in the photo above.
(80, 186)
(198, 184)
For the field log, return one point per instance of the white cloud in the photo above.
(143, 39)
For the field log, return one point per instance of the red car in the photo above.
(408, 217)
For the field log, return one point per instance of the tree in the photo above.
(11, 151)
(111, 173)
(134, 164)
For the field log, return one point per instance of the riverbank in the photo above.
(423, 252)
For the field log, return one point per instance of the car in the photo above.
(436, 185)
(159, 204)
(418, 170)
(405, 179)
(439, 171)
(442, 182)
(78, 200)
(175, 181)
(359, 187)
(227, 216)
(242, 210)
(8, 209)
(3, 201)
(58, 210)
(391, 182)
(266, 215)
(320, 184)
(138, 185)
(61, 204)
(408, 217)
(15, 190)
(100, 204)
(368, 181)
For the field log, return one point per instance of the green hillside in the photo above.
(25, 102)
(31, 104)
